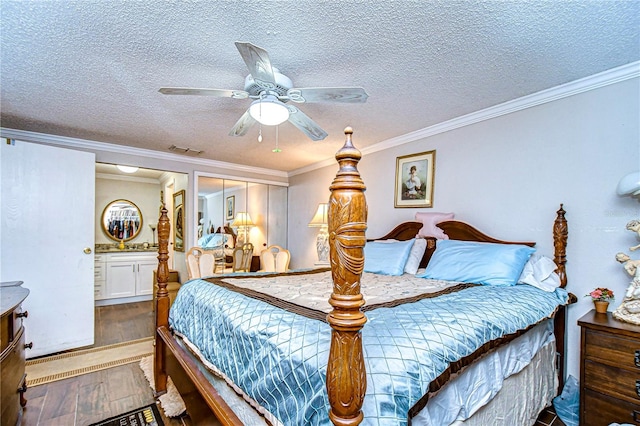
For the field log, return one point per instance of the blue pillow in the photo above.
(386, 258)
(480, 263)
(213, 240)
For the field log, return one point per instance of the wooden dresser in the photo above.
(609, 371)
(12, 359)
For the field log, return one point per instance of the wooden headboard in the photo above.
(456, 230)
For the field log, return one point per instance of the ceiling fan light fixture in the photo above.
(269, 111)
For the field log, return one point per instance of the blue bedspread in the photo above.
(280, 358)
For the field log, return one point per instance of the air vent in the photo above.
(185, 150)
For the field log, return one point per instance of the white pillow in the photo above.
(539, 271)
(429, 224)
(415, 256)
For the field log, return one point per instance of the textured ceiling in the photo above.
(92, 69)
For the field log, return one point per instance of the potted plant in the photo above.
(601, 297)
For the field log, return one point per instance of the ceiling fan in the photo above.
(270, 91)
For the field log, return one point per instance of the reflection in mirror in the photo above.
(178, 217)
(121, 220)
(220, 204)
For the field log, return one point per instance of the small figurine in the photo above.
(631, 266)
(629, 309)
(634, 226)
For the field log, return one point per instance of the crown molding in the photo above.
(127, 178)
(89, 145)
(596, 81)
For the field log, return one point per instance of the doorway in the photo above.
(124, 270)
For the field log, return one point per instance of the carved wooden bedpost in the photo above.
(346, 379)
(560, 235)
(162, 300)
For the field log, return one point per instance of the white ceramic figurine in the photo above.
(629, 309)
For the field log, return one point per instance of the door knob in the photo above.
(87, 250)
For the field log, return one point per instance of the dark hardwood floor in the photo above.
(119, 323)
(90, 398)
(548, 417)
(86, 399)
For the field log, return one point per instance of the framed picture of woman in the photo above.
(231, 207)
(414, 180)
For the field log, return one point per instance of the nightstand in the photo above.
(609, 370)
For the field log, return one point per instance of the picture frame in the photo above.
(178, 220)
(414, 180)
(230, 207)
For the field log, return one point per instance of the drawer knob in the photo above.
(638, 387)
(636, 358)
(28, 345)
(26, 314)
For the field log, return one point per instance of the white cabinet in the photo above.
(127, 275)
(145, 269)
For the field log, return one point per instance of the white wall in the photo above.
(143, 194)
(508, 176)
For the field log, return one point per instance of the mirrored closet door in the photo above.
(252, 212)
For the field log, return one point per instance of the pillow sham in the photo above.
(480, 263)
(429, 221)
(415, 256)
(386, 258)
(540, 271)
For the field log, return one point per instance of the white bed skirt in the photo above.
(508, 386)
(523, 395)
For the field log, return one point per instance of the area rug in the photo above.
(75, 363)
(171, 402)
(144, 416)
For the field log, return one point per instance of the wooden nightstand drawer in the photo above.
(611, 381)
(612, 350)
(601, 410)
(608, 371)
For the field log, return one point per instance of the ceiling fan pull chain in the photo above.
(260, 134)
(276, 149)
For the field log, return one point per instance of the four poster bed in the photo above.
(434, 347)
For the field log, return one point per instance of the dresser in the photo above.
(609, 371)
(12, 347)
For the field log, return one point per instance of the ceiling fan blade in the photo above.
(242, 125)
(220, 93)
(259, 64)
(328, 94)
(305, 124)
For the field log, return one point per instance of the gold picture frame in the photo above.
(231, 207)
(414, 180)
(178, 220)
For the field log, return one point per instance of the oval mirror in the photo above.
(121, 220)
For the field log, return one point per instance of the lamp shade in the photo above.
(321, 218)
(630, 184)
(269, 111)
(242, 219)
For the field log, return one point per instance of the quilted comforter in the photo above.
(277, 355)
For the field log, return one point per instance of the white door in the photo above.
(47, 224)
